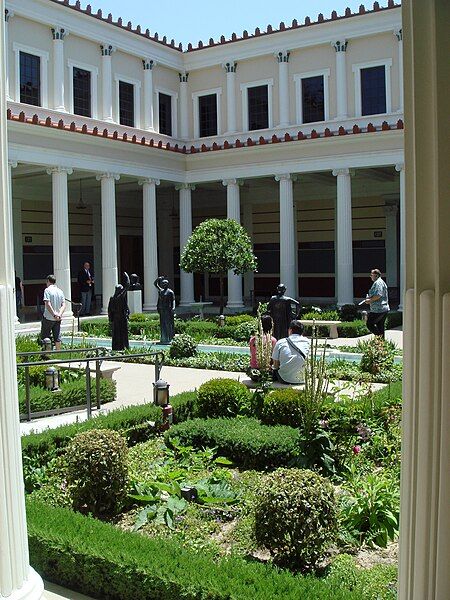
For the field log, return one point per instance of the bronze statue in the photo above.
(281, 310)
(118, 313)
(166, 309)
(134, 283)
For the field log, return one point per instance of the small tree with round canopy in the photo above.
(217, 246)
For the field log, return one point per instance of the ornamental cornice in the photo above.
(59, 33)
(107, 49)
(185, 186)
(183, 77)
(337, 172)
(230, 66)
(107, 175)
(148, 64)
(149, 181)
(59, 169)
(340, 45)
(282, 56)
(286, 177)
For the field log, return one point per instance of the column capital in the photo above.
(340, 45)
(230, 66)
(12, 163)
(59, 33)
(148, 64)
(399, 34)
(345, 171)
(183, 77)
(400, 167)
(107, 175)
(227, 182)
(286, 177)
(149, 181)
(59, 169)
(107, 49)
(8, 14)
(282, 56)
(390, 210)
(185, 186)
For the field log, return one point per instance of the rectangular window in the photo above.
(207, 115)
(81, 92)
(258, 107)
(313, 100)
(373, 90)
(126, 104)
(165, 114)
(30, 79)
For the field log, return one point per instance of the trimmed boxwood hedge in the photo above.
(98, 559)
(245, 441)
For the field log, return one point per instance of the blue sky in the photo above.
(194, 20)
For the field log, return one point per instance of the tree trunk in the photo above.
(221, 294)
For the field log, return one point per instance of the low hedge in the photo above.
(104, 562)
(184, 406)
(350, 329)
(245, 441)
(70, 394)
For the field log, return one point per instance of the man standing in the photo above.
(378, 300)
(85, 281)
(55, 305)
(289, 355)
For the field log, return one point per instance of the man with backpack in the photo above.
(289, 355)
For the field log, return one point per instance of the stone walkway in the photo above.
(56, 592)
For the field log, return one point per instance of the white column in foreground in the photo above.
(186, 279)
(18, 581)
(150, 243)
(234, 212)
(184, 110)
(401, 169)
(61, 252)
(249, 277)
(107, 108)
(230, 70)
(399, 36)
(288, 275)
(341, 79)
(58, 34)
(109, 236)
(97, 246)
(390, 213)
(283, 87)
(8, 14)
(16, 229)
(148, 65)
(344, 241)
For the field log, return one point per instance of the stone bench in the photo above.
(332, 326)
(274, 385)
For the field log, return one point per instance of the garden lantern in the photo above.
(364, 315)
(161, 393)
(221, 320)
(47, 344)
(51, 379)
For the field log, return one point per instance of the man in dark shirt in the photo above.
(86, 281)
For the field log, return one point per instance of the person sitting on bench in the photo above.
(289, 355)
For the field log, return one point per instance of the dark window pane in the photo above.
(373, 91)
(207, 115)
(126, 103)
(258, 107)
(313, 99)
(82, 92)
(165, 114)
(30, 79)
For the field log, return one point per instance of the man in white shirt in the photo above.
(55, 305)
(289, 355)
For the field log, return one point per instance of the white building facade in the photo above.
(120, 143)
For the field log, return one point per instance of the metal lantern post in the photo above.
(161, 398)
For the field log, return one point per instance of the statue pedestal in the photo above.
(135, 301)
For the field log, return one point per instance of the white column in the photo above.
(97, 245)
(16, 229)
(18, 581)
(8, 14)
(58, 34)
(230, 70)
(165, 241)
(401, 169)
(283, 87)
(288, 276)
(296, 247)
(109, 236)
(184, 106)
(249, 277)
(61, 251)
(150, 243)
(234, 212)
(341, 79)
(148, 65)
(390, 212)
(186, 279)
(399, 36)
(344, 245)
(107, 108)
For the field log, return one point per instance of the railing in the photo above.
(100, 357)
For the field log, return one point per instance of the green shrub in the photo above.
(378, 583)
(244, 441)
(199, 329)
(235, 320)
(98, 559)
(348, 312)
(184, 406)
(244, 331)
(96, 327)
(295, 517)
(97, 472)
(183, 346)
(378, 355)
(144, 317)
(222, 398)
(352, 329)
(226, 331)
(282, 407)
(325, 315)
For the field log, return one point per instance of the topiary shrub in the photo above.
(222, 398)
(378, 356)
(97, 473)
(282, 407)
(295, 517)
(182, 346)
(348, 312)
